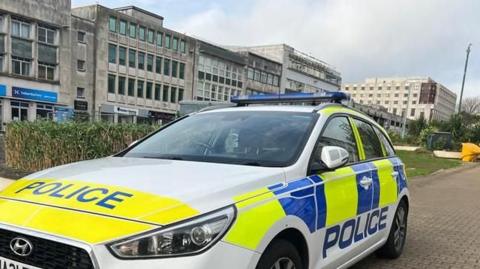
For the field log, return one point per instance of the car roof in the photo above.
(284, 108)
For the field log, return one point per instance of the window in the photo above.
(141, 33)
(111, 83)
(183, 46)
(19, 111)
(46, 71)
(181, 72)
(385, 142)
(158, 65)
(123, 27)
(275, 81)
(46, 35)
(250, 73)
(174, 68)
(158, 89)
(21, 66)
(339, 133)
(159, 39)
(122, 55)
(370, 142)
(270, 79)
(121, 85)
(132, 30)
(141, 60)
(81, 37)
(180, 94)
(112, 53)
(132, 58)
(140, 89)
(131, 87)
(173, 95)
(149, 90)
(150, 62)
(20, 29)
(112, 24)
(167, 41)
(44, 111)
(175, 43)
(166, 67)
(1, 63)
(166, 89)
(151, 36)
(394, 111)
(80, 93)
(412, 112)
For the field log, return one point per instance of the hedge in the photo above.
(34, 146)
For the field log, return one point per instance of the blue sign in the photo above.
(63, 114)
(35, 95)
(3, 90)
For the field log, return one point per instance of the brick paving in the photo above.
(444, 223)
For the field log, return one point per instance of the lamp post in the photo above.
(463, 81)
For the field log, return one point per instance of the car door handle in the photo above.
(366, 182)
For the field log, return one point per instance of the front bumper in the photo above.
(221, 255)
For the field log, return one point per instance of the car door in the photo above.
(338, 196)
(382, 178)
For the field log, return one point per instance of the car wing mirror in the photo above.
(334, 157)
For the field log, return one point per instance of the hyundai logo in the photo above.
(21, 246)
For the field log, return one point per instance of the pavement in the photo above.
(444, 223)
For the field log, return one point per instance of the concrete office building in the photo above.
(263, 75)
(300, 72)
(418, 96)
(129, 68)
(34, 60)
(220, 73)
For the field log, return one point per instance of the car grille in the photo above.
(46, 253)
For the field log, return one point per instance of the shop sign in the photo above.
(34, 94)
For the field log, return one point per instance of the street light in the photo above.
(464, 75)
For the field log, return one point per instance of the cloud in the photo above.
(362, 38)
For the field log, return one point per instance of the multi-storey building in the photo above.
(300, 72)
(416, 96)
(220, 73)
(34, 59)
(129, 68)
(263, 74)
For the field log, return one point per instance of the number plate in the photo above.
(9, 264)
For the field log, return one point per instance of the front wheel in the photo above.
(280, 254)
(393, 248)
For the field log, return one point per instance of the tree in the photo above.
(471, 105)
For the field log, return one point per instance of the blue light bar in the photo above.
(334, 97)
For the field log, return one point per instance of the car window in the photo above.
(385, 142)
(370, 142)
(338, 132)
(248, 137)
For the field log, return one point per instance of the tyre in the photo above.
(393, 248)
(280, 254)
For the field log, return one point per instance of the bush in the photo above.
(34, 146)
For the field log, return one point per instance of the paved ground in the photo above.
(444, 224)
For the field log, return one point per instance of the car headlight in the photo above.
(186, 238)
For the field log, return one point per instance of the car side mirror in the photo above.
(334, 157)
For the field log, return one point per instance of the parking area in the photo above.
(444, 224)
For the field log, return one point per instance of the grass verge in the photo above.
(419, 163)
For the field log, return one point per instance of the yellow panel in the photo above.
(358, 140)
(255, 218)
(89, 228)
(341, 195)
(388, 184)
(103, 199)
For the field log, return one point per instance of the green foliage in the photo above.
(416, 127)
(33, 146)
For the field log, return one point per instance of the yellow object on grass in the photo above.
(470, 152)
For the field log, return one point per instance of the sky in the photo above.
(361, 38)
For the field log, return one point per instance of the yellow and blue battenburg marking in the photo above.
(322, 201)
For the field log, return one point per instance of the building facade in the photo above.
(416, 96)
(219, 73)
(34, 60)
(300, 72)
(263, 75)
(129, 68)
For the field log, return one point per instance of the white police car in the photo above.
(242, 187)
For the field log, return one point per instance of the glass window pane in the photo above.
(112, 53)
(141, 60)
(339, 133)
(140, 89)
(131, 87)
(167, 41)
(141, 33)
(123, 27)
(132, 30)
(159, 39)
(370, 142)
(121, 85)
(151, 36)
(112, 24)
(132, 58)
(111, 83)
(166, 67)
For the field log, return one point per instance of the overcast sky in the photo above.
(361, 38)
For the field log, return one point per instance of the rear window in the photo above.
(371, 143)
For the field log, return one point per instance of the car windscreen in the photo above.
(255, 138)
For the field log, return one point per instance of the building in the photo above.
(220, 73)
(300, 72)
(418, 96)
(34, 60)
(129, 68)
(380, 114)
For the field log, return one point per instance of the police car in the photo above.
(251, 186)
